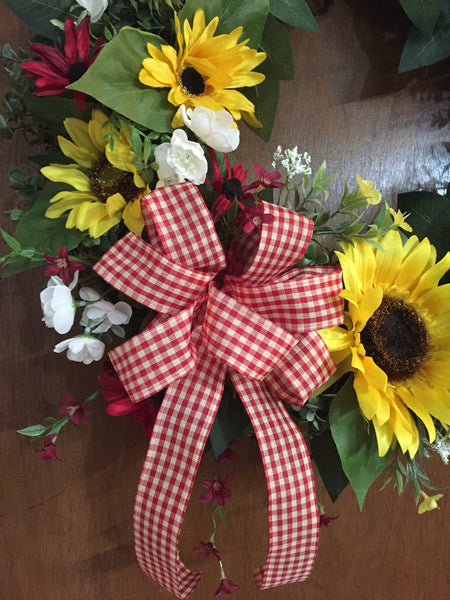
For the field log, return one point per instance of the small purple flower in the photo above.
(226, 586)
(48, 451)
(216, 489)
(208, 548)
(76, 411)
(325, 520)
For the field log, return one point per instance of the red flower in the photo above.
(75, 410)
(254, 217)
(57, 70)
(62, 265)
(226, 587)
(207, 548)
(267, 180)
(49, 449)
(112, 390)
(325, 520)
(216, 489)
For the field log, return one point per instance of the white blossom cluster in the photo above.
(99, 316)
(294, 163)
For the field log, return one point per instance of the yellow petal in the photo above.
(132, 217)
(115, 205)
(67, 174)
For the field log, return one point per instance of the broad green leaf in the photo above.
(429, 216)
(33, 430)
(294, 12)
(265, 98)
(355, 442)
(250, 14)
(326, 457)
(421, 50)
(276, 45)
(35, 230)
(52, 110)
(230, 420)
(113, 80)
(38, 13)
(423, 13)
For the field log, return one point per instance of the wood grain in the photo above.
(67, 527)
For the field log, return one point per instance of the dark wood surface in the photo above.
(66, 528)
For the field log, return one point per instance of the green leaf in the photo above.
(113, 80)
(33, 431)
(230, 420)
(294, 12)
(421, 50)
(12, 242)
(250, 14)
(423, 13)
(38, 13)
(35, 230)
(276, 45)
(265, 98)
(52, 110)
(357, 446)
(429, 216)
(326, 457)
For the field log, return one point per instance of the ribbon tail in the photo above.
(293, 512)
(179, 437)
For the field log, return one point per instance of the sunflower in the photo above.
(397, 335)
(112, 190)
(206, 70)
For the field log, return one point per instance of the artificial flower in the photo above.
(48, 451)
(253, 217)
(180, 160)
(62, 265)
(57, 70)
(228, 187)
(429, 503)
(100, 315)
(208, 548)
(396, 339)
(216, 488)
(215, 129)
(292, 161)
(367, 189)
(325, 520)
(57, 305)
(76, 411)
(267, 179)
(226, 586)
(206, 71)
(82, 348)
(95, 8)
(112, 190)
(399, 219)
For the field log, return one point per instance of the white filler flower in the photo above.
(82, 348)
(215, 129)
(101, 316)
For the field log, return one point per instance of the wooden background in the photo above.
(66, 528)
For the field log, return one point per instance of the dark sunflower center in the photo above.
(192, 82)
(396, 338)
(76, 70)
(106, 180)
(232, 188)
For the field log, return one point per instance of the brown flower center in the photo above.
(396, 338)
(106, 180)
(191, 82)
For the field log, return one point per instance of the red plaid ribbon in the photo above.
(260, 328)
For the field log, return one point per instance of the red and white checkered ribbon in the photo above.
(260, 328)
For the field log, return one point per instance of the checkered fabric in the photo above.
(260, 328)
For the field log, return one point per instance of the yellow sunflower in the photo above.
(111, 191)
(206, 70)
(397, 337)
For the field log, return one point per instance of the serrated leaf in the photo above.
(357, 447)
(37, 14)
(113, 80)
(33, 431)
(294, 12)
(422, 13)
(421, 50)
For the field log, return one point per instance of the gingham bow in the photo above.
(260, 328)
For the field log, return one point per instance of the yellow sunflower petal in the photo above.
(82, 156)
(115, 204)
(101, 227)
(431, 277)
(414, 404)
(369, 398)
(67, 174)
(384, 435)
(132, 217)
(59, 208)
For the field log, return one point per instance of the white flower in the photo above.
(180, 160)
(292, 161)
(101, 316)
(82, 348)
(95, 8)
(58, 305)
(215, 129)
